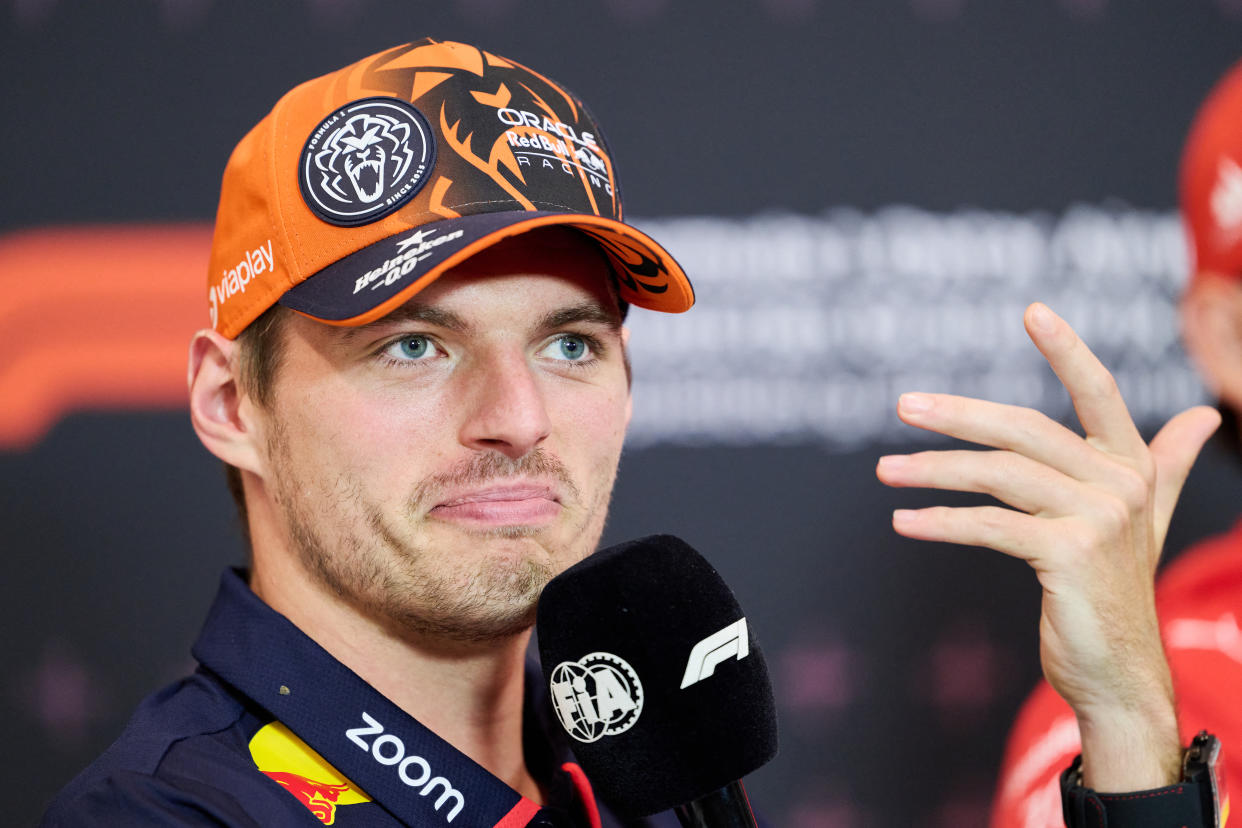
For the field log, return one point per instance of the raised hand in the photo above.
(1089, 514)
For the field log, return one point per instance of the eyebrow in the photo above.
(591, 312)
(411, 312)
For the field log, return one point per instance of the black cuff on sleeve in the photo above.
(1174, 805)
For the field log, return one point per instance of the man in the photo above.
(1199, 600)
(416, 369)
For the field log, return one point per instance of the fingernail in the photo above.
(903, 517)
(1041, 317)
(893, 462)
(913, 403)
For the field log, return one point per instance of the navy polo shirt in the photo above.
(271, 730)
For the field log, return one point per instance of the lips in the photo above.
(521, 504)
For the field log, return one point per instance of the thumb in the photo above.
(1174, 450)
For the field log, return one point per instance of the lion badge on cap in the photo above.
(366, 160)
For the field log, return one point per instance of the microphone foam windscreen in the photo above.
(654, 674)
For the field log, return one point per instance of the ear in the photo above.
(1211, 312)
(221, 415)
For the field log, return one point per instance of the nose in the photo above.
(506, 411)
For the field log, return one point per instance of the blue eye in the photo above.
(572, 347)
(568, 347)
(412, 348)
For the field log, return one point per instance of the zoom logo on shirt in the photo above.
(413, 770)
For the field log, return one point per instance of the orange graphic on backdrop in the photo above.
(96, 318)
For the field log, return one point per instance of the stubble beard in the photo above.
(365, 562)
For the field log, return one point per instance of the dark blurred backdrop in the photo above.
(866, 193)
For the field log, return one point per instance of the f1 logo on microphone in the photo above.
(720, 646)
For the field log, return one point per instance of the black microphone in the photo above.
(655, 675)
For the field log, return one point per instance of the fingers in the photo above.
(1043, 468)
(1097, 401)
(994, 527)
(1020, 430)
(1174, 450)
(1018, 481)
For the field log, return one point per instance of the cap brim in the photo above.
(375, 280)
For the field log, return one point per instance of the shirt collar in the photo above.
(405, 767)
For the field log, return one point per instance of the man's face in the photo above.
(437, 467)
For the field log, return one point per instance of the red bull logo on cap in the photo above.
(302, 772)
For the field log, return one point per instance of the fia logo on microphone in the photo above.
(596, 696)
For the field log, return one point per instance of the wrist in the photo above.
(1130, 750)
(1198, 799)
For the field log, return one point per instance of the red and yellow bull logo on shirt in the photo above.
(302, 772)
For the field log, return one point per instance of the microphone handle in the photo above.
(726, 807)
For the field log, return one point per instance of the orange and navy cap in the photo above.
(1211, 180)
(363, 186)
